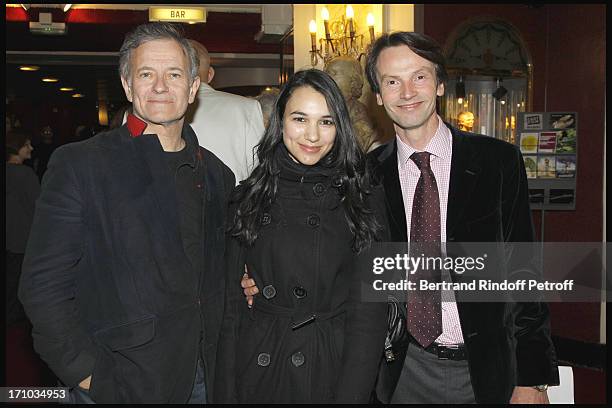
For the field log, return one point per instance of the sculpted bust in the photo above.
(347, 73)
(466, 121)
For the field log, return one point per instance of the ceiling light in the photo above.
(460, 89)
(29, 68)
(50, 80)
(66, 89)
(67, 7)
(78, 95)
(500, 92)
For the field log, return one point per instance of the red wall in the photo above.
(567, 46)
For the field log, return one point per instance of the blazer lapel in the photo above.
(463, 176)
(393, 194)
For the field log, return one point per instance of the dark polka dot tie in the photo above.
(424, 311)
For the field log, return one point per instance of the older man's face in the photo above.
(158, 86)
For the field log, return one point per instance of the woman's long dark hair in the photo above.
(257, 193)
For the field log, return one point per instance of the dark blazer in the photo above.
(106, 282)
(507, 344)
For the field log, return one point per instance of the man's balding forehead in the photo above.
(206, 72)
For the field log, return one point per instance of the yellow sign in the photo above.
(178, 14)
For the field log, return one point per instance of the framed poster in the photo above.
(549, 144)
(546, 166)
(566, 141)
(531, 166)
(566, 166)
(529, 142)
(532, 121)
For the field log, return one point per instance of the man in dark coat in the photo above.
(123, 275)
(482, 352)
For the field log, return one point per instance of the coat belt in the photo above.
(298, 319)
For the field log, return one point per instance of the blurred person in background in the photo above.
(228, 125)
(120, 117)
(23, 366)
(43, 151)
(22, 190)
(81, 132)
(266, 100)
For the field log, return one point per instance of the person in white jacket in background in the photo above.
(228, 125)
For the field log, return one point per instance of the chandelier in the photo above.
(341, 37)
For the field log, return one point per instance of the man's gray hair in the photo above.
(156, 31)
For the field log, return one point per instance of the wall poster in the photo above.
(549, 142)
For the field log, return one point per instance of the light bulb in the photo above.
(370, 20)
(325, 14)
(312, 27)
(349, 12)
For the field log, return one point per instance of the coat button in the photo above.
(266, 219)
(263, 359)
(319, 189)
(297, 359)
(313, 220)
(269, 291)
(337, 182)
(299, 292)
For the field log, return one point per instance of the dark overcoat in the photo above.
(106, 281)
(308, 337)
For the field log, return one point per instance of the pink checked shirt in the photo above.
(441, 149)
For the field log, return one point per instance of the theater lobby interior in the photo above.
(509, 66)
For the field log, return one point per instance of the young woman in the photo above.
(298, 225)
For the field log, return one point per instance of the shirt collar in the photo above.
(440, 145)
(135, 125)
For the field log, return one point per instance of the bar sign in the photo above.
(178, 14)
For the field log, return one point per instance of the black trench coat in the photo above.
(307, 338)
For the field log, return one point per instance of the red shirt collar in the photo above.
(135, 125)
